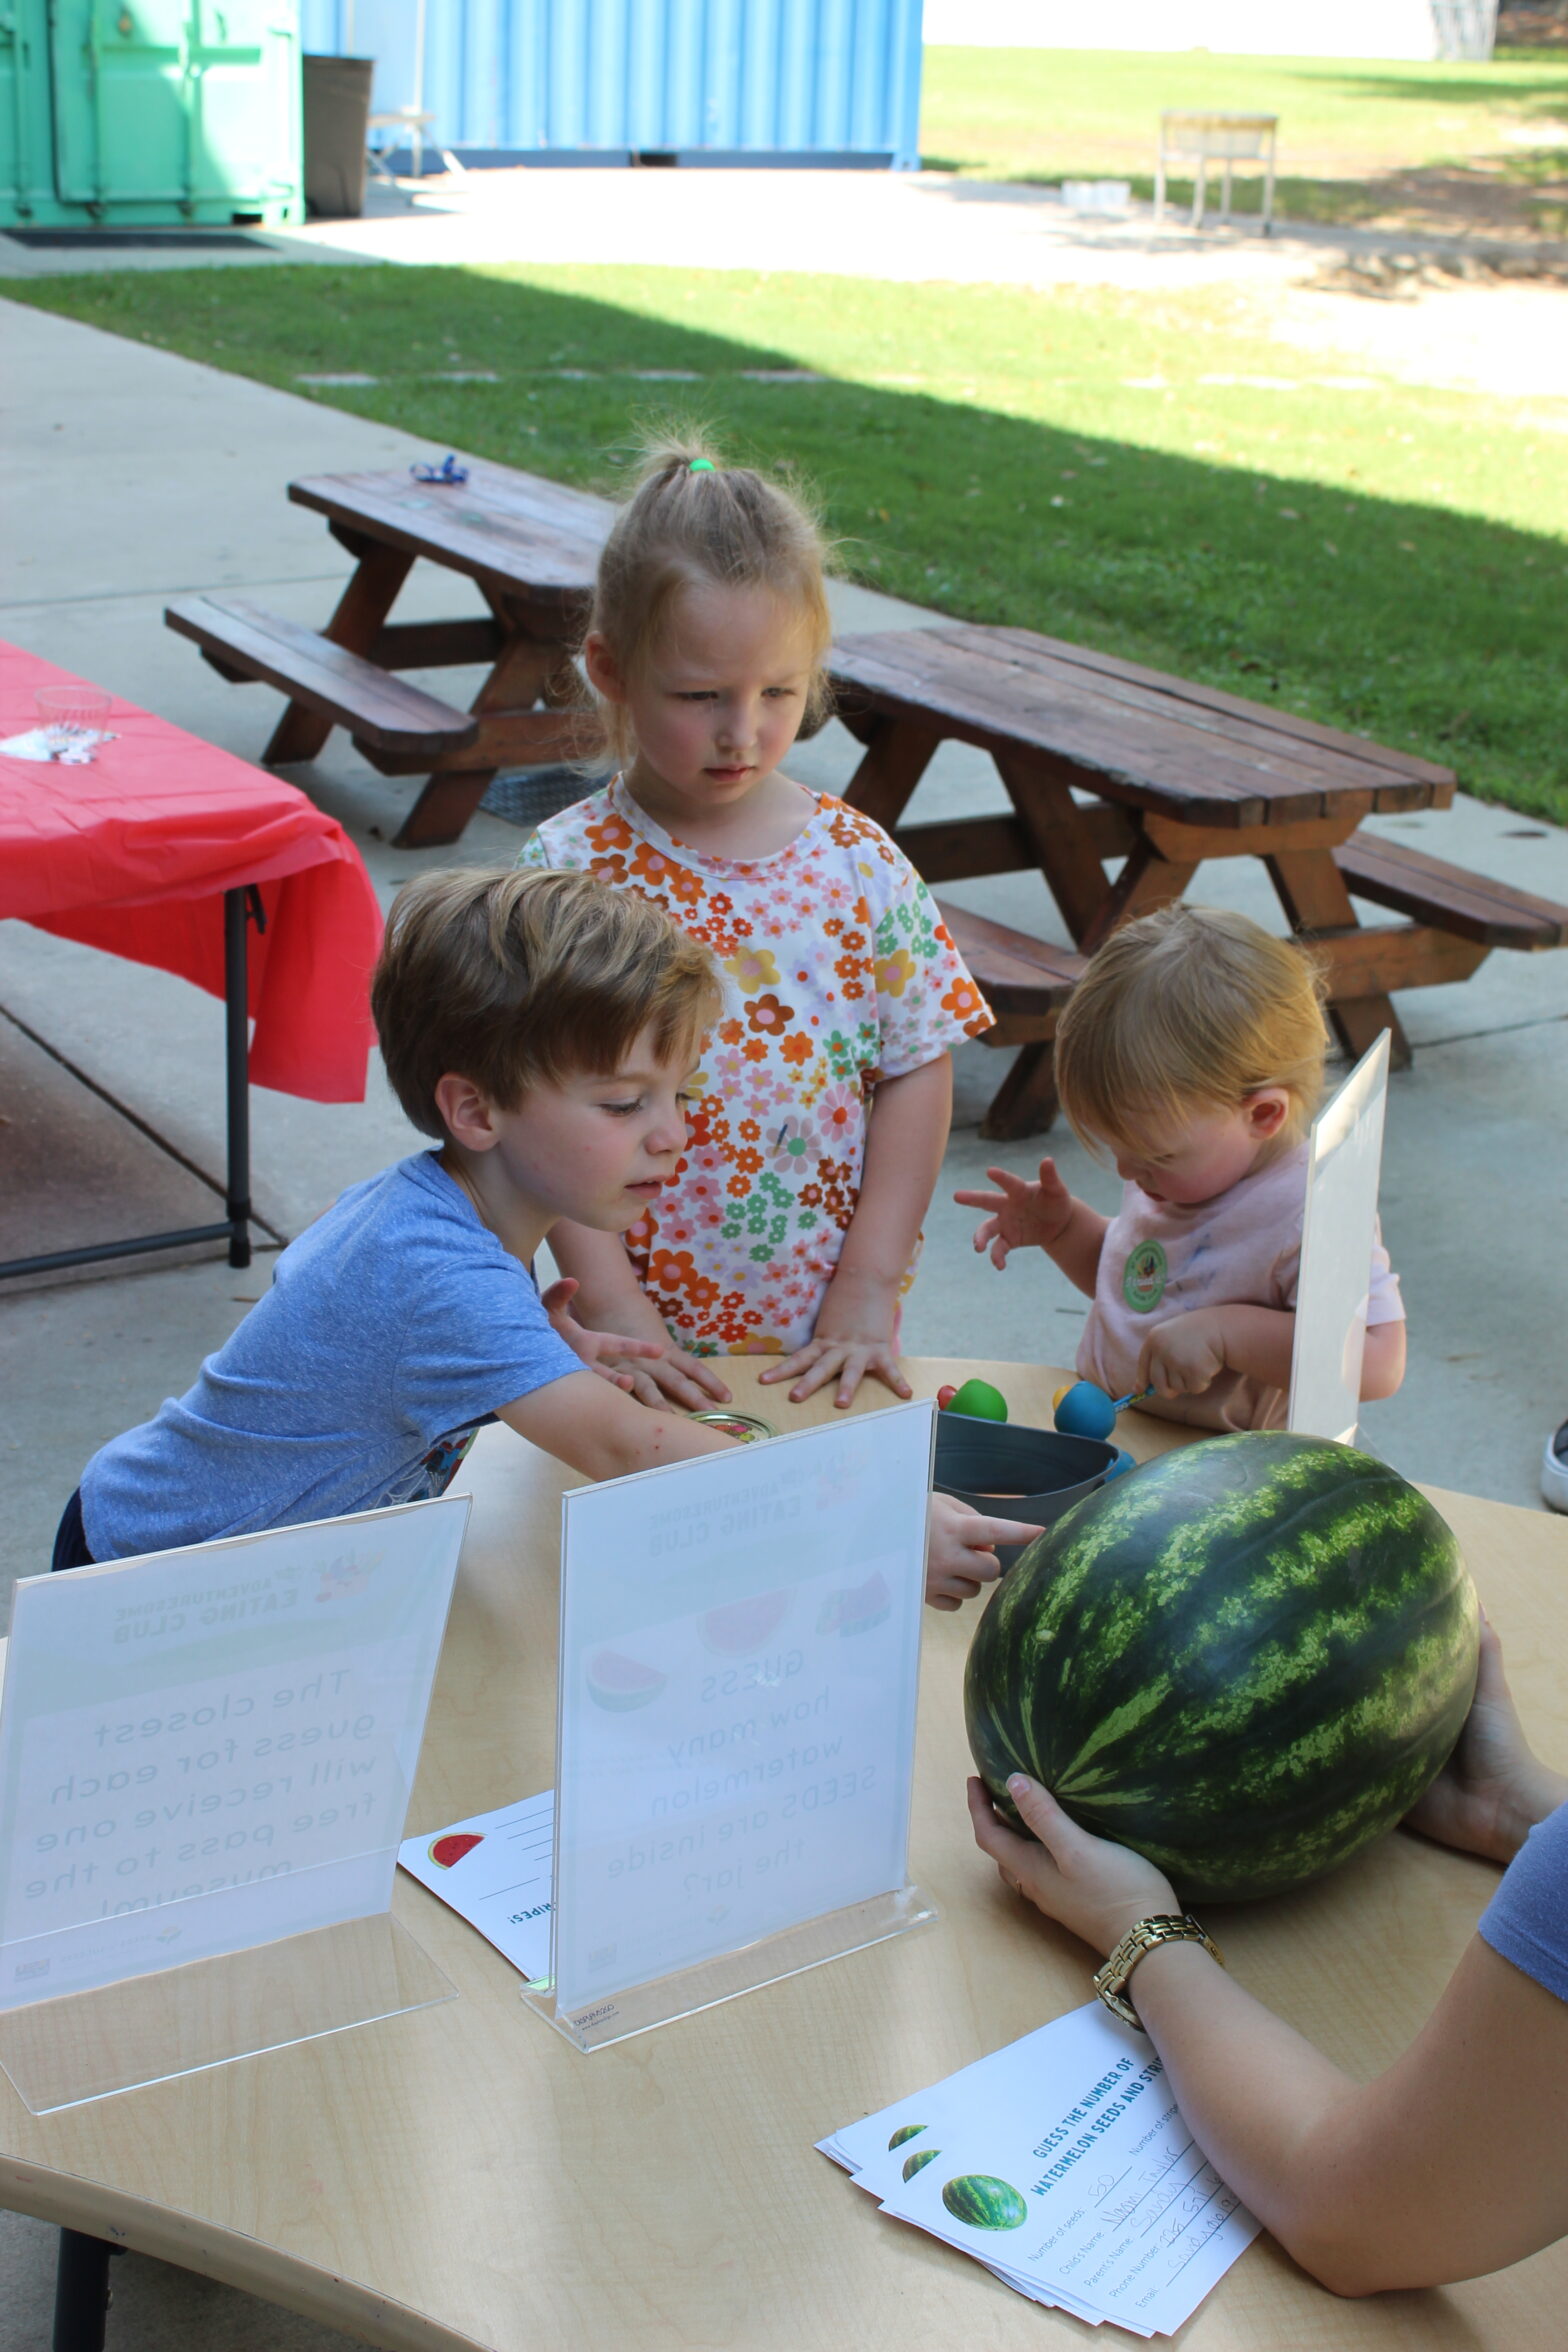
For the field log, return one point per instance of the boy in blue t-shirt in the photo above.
(541, 1028)
(406, 1316)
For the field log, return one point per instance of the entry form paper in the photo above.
(494, 1871)
(1063, 2163)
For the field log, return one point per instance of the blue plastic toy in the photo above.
(1086, 1411)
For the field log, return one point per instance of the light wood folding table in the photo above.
(461, 2177)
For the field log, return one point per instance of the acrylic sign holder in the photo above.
(1344, 1161)
(740, 1653)
(205, 1763)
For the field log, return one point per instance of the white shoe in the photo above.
(1554, 1469)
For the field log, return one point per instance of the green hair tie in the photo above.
(701, 465)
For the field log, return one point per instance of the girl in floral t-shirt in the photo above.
(792, 1224)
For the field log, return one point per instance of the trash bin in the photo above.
(337, 126)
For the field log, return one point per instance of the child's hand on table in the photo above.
(656, 1372)
(854, 1338)
(670, 1380)
(959, 1554)
(1021, 1215)
(1183, 1356)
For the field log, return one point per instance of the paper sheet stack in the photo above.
(1063, 2164)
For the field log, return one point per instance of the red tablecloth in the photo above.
(133, 854)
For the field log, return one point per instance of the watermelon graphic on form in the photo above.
(444, 1851)
(618, 1683)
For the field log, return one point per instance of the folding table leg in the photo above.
(239, 906)
(81, 2292)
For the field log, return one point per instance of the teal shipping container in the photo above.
(821, 82)
(149, 113)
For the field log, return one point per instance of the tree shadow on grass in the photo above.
(1423, 627)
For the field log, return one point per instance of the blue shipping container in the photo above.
(700, 81)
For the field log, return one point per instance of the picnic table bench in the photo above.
(530, 546)
(1105, 761)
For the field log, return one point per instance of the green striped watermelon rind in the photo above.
(1312, 1633)
(982, 2201)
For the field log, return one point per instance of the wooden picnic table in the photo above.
(530, 546)
(1106, 762)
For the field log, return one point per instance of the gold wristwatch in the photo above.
(1165, 1927)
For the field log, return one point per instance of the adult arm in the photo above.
(1043, 1215)
(906, 1135)
(1446, 2166)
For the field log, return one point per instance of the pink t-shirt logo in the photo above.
(1143, 1277)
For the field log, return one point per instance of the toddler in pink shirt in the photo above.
(1193, 1052)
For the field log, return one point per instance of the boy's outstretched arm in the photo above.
(595, 1428)
(1043, 1215)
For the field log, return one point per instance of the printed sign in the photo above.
(740, 1642)
(212, 1748)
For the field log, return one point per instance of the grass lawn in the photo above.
(1352, 133)
(1132, 473)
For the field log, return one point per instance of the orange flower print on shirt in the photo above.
(650, 865)
(739, 1248)
(964, 1001)
(609, 832)
(769, 1016)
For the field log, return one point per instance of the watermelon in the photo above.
(905, 2131)
(1246, 1660)
(984, 2202)
(918, 2162)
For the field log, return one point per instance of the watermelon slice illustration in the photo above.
(444, 1851)
(618, 1683)
(743, 1626)
(905, 2131)
(918, 2162)
(857, 1607)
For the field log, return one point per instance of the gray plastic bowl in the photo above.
(1032, 1475)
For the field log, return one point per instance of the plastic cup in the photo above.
(68, 712)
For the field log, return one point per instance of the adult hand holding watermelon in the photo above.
(1450, 2163)
(1246, 1660)
(1096, 1889)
